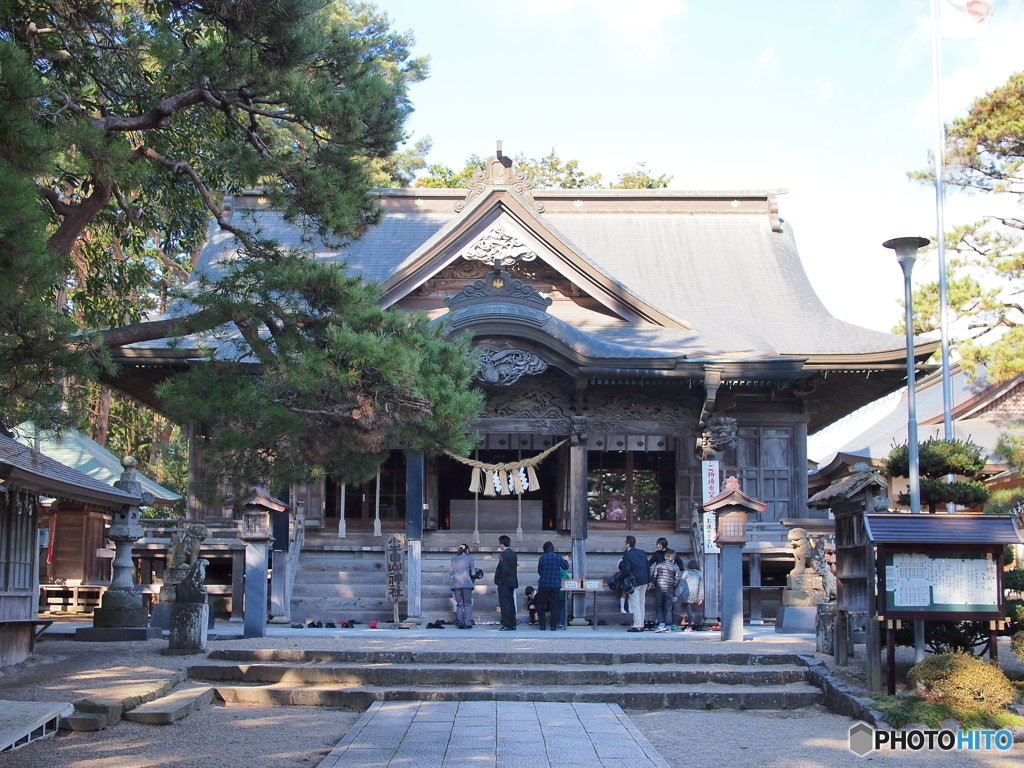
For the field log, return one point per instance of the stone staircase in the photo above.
(341, 582)
(641, 680)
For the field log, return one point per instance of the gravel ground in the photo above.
(254, 737)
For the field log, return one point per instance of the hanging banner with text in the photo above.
(711, 483)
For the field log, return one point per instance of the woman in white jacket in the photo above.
(462, 569)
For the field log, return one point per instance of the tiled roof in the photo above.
(34, 471)
(899, 528)
(739, 283)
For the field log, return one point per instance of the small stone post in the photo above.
(256, 535)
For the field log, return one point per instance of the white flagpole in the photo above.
(940, 218)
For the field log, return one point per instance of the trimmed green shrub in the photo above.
(962, 680)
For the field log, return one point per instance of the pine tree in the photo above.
(937, 459)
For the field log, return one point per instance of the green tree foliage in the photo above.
(441, 176)
(1011, 446)
(546, 172)
(551, 171)
(985, 153)
(35, 348)
(641, 178)
(936, 460)
(123, 125)
(341, 380)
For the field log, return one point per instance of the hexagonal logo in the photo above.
(862, 739)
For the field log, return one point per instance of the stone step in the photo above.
(650, 697)
(113, 704)
(491, 658)
(426, 675)
(84, 721)
(176, 705)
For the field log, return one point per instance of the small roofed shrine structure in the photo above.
(624, 336)
(26, 476)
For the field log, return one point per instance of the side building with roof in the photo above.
(78, 552)
(982, 411)
(615, 324)
(27, 476)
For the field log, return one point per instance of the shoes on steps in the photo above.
(635, 629)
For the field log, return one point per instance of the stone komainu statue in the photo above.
(183, 551)
(719, 434)
(803, 552)
(191, 588)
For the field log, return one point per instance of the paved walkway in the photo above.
(441, 734)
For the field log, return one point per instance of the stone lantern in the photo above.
(732, 506)
(256, 535)
(123, 614)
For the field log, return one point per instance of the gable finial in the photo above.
(498, 172)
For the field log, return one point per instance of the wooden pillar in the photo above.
(872, 654)
(414, 484)
(578, 515)
(890, 656)
(755, 589)
(799, 474)
(237, 584)
(194, 507)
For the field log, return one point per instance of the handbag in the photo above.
(477, 574)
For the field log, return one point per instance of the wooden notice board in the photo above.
(940, 583)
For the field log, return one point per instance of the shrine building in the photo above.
(625, 335)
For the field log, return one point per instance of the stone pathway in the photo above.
(493, 734)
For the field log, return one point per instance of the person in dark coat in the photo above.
(635, 562)
(549, 567)
(506, 578)
(461, 570)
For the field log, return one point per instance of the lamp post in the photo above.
(906, 253)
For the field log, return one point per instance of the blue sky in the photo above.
(829, 99)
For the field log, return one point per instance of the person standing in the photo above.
(690, 591)
(506, 578)
(461, 569)
(549, 567)
(660, 548)
(665, 579)
(634, 561)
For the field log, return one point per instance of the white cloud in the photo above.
(638, 30)
(826, 90)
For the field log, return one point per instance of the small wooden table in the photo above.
(568, 596)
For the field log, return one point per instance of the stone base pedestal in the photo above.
(796, 619)
(120, 617)
(116, 634)
(189, 623)
(803, 590)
